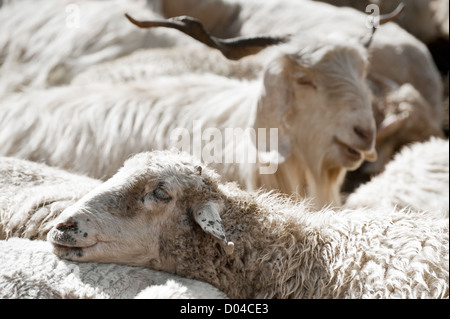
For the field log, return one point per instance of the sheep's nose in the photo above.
(366, 135)
(67, 224)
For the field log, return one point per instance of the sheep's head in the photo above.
(128, 219)
(319, 100)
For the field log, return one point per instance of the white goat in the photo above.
(45, 43)
(29, 269)
(402, 115)
(417, 178)
(394, 53)
(163, 210)
(93, 129)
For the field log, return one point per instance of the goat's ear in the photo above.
(304, 78)
(275, 109)
(207, 216)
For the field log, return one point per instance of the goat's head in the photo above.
(155, 198)
(319, 100)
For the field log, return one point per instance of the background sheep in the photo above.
(29, 269)
(140, 66)
(164, 211)
(93, 129)
(45, 43)
(33, 194)
(402, 117)
(425, 19)
(417, 178)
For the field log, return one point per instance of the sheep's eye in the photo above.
(161, 194)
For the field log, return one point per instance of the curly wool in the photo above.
(345, 254)
(33, 194)
(30, 270)
(417, 178)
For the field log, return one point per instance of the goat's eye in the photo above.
(161, 194)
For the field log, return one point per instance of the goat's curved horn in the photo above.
(233, 48)
(385, 18)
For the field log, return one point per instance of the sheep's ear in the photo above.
(208, 218)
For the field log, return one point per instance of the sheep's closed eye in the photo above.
(157, 195)
(161, 194)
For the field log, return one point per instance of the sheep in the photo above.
(32, 194)
(403, 116)
(46, 43)
(393, 53)
(417, 178)
(92, 129)
(166, 211)
(140, 66)
(29, 269)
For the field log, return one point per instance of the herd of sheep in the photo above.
(99, 200)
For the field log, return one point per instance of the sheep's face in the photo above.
(324, 103)
(124, 219)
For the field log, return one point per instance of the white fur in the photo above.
(417, 178)
(425, 19)
(146, 64)
(29, 270)
(46, 43)
(33, 194)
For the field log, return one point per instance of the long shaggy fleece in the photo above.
(29, 269)
(45, 43)
(417, 178)
(344, 254)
